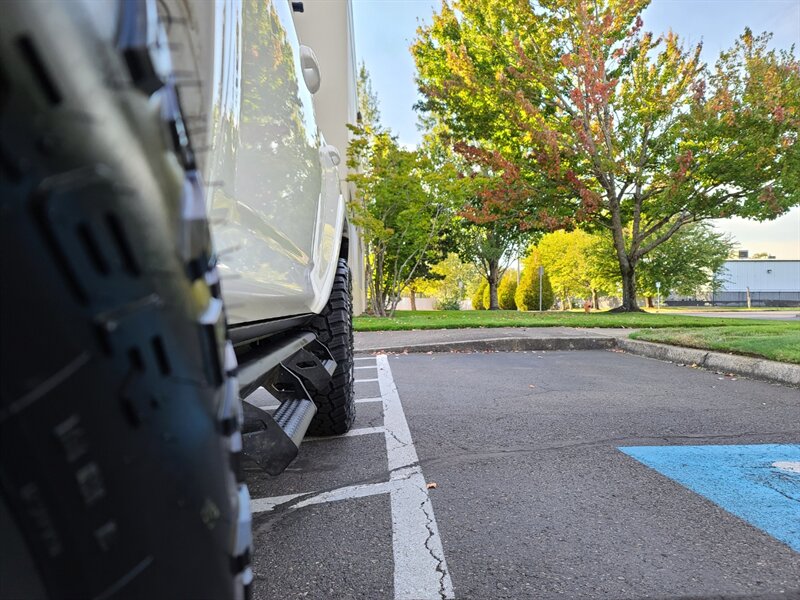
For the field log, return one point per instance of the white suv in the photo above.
(173, 238)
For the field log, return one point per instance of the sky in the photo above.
(384, 29)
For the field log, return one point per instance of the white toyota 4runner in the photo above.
(173, 238)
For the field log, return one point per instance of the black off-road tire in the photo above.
(336, 407)
(119, 408)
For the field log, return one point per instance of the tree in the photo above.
(453, 279)
(685, 263)
(630, 132)
(368, 109)
(492, 232)
(568, 259)
(527, 294)
(491, 247)
(477, 295)
(402, 207)
(506, 291)
(689, 261)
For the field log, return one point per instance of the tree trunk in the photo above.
(378, 294)
(629, 303)
(394, 301)
(413, 298)
(595, 300)
(627, 266)
(494, 271)
(649, 302)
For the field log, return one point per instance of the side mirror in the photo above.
(333, 153)
(310, 67)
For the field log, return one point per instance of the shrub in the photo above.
(506, 291)
(527, 294)
(448, 304)
(477, 297)
(487, 297)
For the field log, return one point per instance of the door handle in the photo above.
(310, 66)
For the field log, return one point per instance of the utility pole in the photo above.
(541, 275)
(658, 296)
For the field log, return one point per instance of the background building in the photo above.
(770, 282)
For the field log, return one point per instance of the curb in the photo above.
(754, 368)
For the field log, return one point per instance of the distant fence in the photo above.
(757, 298)
(719, 299)
(791, 298)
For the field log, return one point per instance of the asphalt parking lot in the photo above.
(587, 474)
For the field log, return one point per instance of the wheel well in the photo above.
(344, 247)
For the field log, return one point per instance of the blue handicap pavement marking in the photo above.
(757, 483)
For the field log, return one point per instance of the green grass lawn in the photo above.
(775, 341)
(455, 319)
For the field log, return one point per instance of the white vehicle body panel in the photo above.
(327, 26)
(273, 191)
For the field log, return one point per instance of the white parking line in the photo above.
(344, 493)
(367, 367)
(364, 358)
(351, 433)
(365, 400)
(347, 493)
(366, 380)
(266, 504)
(420, 569)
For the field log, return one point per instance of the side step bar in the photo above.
(284, 368)
(256, 366)
(273, 442)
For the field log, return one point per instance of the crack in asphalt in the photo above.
(497, 453)
(439, 559)
(399, 441)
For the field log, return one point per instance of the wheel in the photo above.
(119, 408)
(336, 407)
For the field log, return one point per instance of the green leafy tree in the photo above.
(631, 132)
(491, 247)
(368, 107)
(567, 257)
(527, 294)
(402, 207)
(685, 264)
(453, 279)
(506, 291)
(487, 234)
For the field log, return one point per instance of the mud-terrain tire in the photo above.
(336, 408)
(119, 408)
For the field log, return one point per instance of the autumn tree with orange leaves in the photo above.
(611, 126)
(496, 207)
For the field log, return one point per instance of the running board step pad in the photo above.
(294, 417)
(273, 441)
(287, 369)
